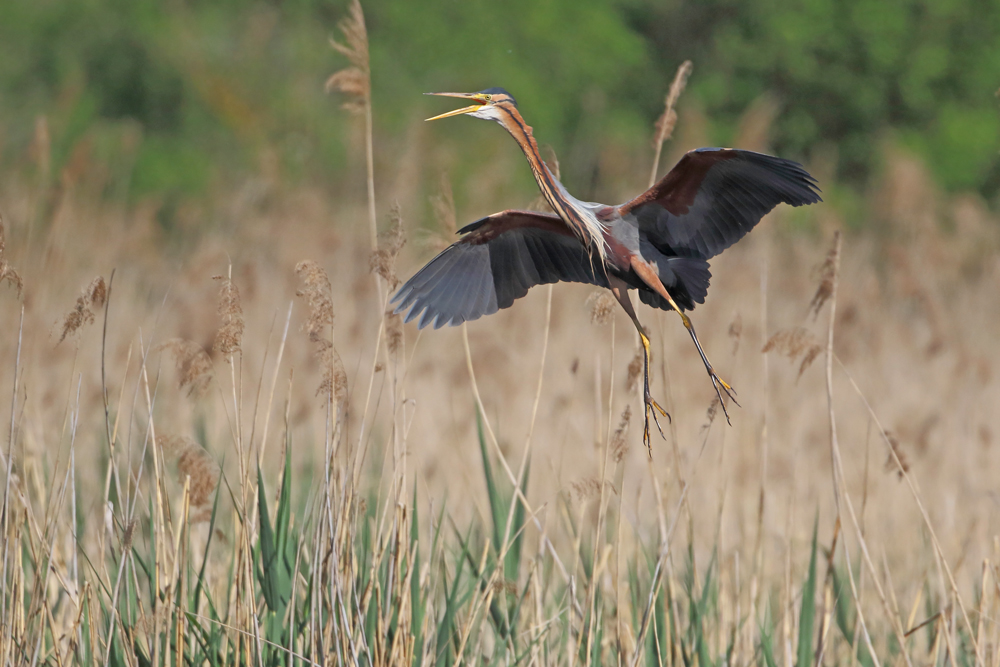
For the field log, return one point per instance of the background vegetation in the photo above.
(221, 449)
(176, 98)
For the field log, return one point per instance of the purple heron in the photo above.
(659, 243)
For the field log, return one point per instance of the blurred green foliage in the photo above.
(174, 97)
(847, 71)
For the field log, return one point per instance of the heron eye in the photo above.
(489, 97)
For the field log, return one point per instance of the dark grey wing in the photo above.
(500, 258)
(713, 197)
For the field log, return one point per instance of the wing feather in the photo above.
(713, 197)
(495, 263)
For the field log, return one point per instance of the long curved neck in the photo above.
(564, 204)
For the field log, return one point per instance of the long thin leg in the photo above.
(653, 280)
(650, 406)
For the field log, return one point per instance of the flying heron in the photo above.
(658, 243)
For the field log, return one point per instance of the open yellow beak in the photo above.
(475, 97)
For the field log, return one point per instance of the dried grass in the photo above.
(634, 373)
(826, 272)
(736, 332)
(229, 338)
(393, 331)
(890, 465)
(194, 366)
(602, 307)
(619, 439)
(354, 81)
(664, 128)
(794, 343)
(197, 465)
(587, 488)
(316, 290)
(93, 296)
(383, 259)
(7, 273)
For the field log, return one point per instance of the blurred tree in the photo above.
(185, 93)
(846, 71)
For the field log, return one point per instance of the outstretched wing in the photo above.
(713, 197)
(498, 260)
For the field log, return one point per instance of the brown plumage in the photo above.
(658, 243)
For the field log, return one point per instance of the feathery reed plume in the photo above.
(665, 123)
(7, 272)
(83, 314)
(736, 331)
(197, 464)
(353, 81)
(602, 307)
(710, 414)
(826, 272)
(194, 367)
(634, 372)
(334, 377)
(229, 338)
(890, 461)
(795, 342)
(128, 536)
(586, 488)
(383, 259)
(505, 586)
(317, 292)
(393, 331)
(619, 441)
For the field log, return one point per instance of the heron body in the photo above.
(659, 243)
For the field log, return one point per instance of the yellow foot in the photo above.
(651, 408)
(723, 386)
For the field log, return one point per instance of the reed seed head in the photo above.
(229, 338)
(93, 296)
(194, 366)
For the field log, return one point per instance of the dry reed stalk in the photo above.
(355, 82)
(531, 423)
(666, 122)
(382, 261)
(503, 460)
(828, 291)
(7, 623)
(939, 552)
(7, 273)
(602, 506)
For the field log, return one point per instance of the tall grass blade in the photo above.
(808, 612)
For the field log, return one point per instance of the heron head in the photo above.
(486, 104)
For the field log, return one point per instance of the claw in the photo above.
(651, 408)
(726, 387)
(718, 383)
